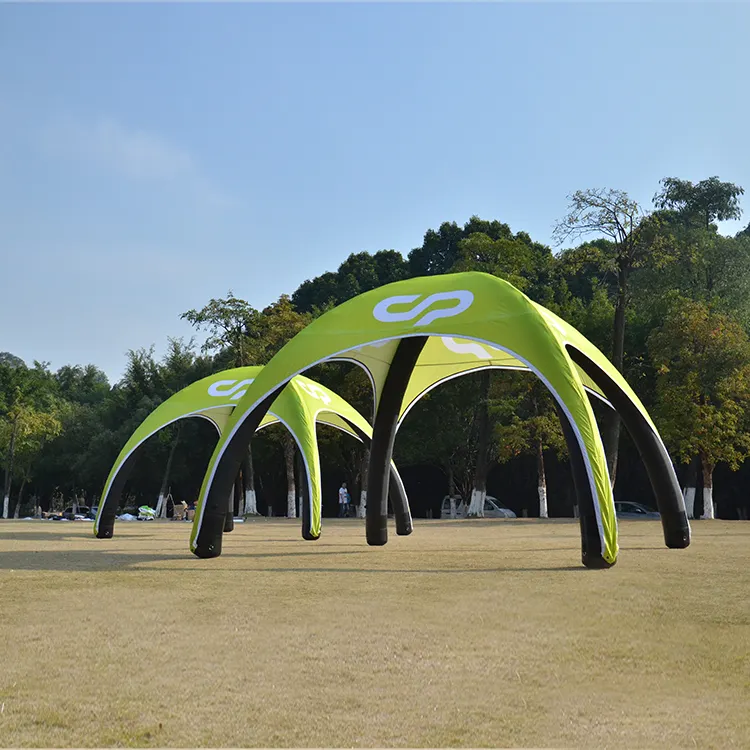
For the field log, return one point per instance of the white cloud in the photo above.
(132, 153)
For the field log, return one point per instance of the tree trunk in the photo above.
(542, 476)
(291, 490)
(17, 512)
(248, 478)
(161, 504)
(691, 481)
(9, 468)
(612, 426)
(362, 507)
(479, 491)
(451, 494)
(708, 489)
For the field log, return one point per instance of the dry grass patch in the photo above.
(467, 633)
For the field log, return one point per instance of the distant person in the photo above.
(343, 500)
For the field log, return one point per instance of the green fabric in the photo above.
(300, 406)
(468, 307)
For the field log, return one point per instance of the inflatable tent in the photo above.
(387, 331)
(299, 406)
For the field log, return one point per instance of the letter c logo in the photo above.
(234, 393)
(382, 313)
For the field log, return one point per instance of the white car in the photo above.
(493, 508)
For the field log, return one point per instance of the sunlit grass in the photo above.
(466, 633)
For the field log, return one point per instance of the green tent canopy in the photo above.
(299, 406)
(412, 335)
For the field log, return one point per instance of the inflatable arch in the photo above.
(412, 335)
(300, 405)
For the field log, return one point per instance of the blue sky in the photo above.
(155, 156)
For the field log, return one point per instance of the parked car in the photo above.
(634, 510)
(493, 508)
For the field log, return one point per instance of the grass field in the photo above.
(467, 633)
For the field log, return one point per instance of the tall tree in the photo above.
(705, 202)
(615, 215)
(243, 336)
(484, 429)
(273, 328)
(23, 432)
(359, 273)
(228, 322)
(703, 388)
(441, 430)
(528, 424)
(291, 494)
(27, 396)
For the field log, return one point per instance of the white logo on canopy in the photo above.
(382, 313)
(238, 391)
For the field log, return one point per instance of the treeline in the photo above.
(659, 290)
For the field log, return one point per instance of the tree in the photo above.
(26, 400)
(32, 429)
(482, 467)
(615, 215)
(227, 322)
(528, 423)
(82, 385)
(161, 503)
(441, 249)
(10, 360)
(359, 273)
(703, 388)
(291, 495)
(242, 336)
(703, 203)
(515, 259)
(273, 328)
(441, 430)
(23, 431)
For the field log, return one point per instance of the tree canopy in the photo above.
(662, 292)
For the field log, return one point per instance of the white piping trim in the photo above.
(108, 487)
(369, 375)
(472, 370)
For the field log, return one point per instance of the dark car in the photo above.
(83, 512)
(634, 510)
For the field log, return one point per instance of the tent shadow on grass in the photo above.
(98, 561)
(8, 535)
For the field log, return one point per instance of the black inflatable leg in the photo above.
(211, 535)
(591, 544)
(400, 505)
(305, 510)
(208, 541)
(396, 492)
(106, 528)
(110, 503)
(383, 436)
(658, 464)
